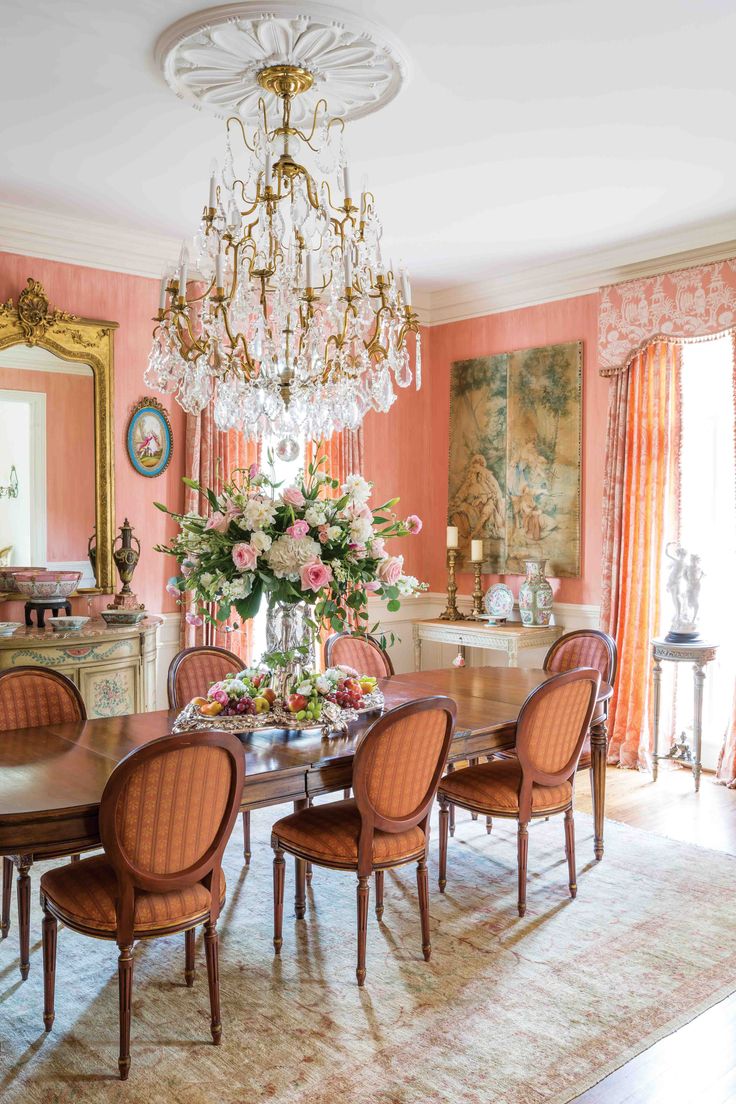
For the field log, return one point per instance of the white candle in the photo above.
(162, 296)
(346, 181)
(348, 270)
(269, 171)
(452, 536)
(405, 289)
(183, 279)
(310, 273)
(213, 190)
(476, 551)
(220, 269)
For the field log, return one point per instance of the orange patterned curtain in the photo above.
(726, 772)
(639, 516)
(211, 456)
(344, 452)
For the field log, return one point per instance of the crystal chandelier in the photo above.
(289, 320)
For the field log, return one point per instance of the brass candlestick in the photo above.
(478, 610)
(451, 612)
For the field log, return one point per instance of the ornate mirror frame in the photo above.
(34, 322)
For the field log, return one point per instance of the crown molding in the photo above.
(78, 241)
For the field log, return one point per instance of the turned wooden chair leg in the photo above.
(7, 891)
(300, 893)
(125, 990)
(189, 937)
(444, 825)
(23, 886)
(279, 873)
(346, 793)
(570, 851)
(308, 867)
(423, 893)
(211, 950)
(49, 927)
(473, 763)
(489, 825)
(450, 769)
(246, 836)
(75, 858)
(363, 892)
(379, 893)
(523, 848)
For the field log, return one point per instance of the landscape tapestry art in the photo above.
(514, 474)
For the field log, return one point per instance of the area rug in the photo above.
(508, 1011)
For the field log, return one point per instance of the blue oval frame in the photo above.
(150, 406)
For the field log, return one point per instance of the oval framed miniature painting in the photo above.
(149, 438)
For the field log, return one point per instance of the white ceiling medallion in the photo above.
(212, 58)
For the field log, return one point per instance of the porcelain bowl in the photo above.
(7, 628)
(46, 584)
(69, 624)
(7, 580)
(122, 616)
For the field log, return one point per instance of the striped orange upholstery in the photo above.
(402, 761)
(554, 721)
(579, 651)
(366, 658)
(330, 833)
(171, 808)
(84, 893)
(29, 699)
(197, 671)
(495, 787)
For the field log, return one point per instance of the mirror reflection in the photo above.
(47, 461)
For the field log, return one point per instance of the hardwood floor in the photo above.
(697, 1064)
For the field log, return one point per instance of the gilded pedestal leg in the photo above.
(656, 692)
(699, 680)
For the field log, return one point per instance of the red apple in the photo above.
(257, 680)
(296, 702)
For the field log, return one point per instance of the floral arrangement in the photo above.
(328, 698)
(315, 542)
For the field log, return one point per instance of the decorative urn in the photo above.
(535, 595)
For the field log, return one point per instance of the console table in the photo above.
(699, 653)
(113, 667)
(508, 638)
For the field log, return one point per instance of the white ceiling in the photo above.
(530, 133)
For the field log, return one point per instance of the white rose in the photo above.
(333, 532)
(305, 688)
(261, 542)
(323, 684)
(358, 489)
(258, 512)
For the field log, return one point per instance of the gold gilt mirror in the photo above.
(56, 439)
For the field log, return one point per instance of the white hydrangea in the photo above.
(261, 542)
(315, 515)
(258, 512)
(238, 588)
(235, 686)
(360, 530)
(407, 585)
(288, 554)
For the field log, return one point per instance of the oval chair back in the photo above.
(551, 730)
(584, 648)
(193, 670)
(166, 814)
(398, 766)
(35, 696)
(364, 653)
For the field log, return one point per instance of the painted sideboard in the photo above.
(114, 668)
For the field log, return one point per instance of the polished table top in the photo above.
(52, 778)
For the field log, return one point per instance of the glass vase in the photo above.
(287, 629)
(535, 595)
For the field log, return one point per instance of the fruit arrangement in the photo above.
(322, 698)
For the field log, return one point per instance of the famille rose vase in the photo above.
(286, 630)
(535, 595)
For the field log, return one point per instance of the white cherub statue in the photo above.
(683, 586)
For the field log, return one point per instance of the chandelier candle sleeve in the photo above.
(291, 325)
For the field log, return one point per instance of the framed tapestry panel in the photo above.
(515, 450)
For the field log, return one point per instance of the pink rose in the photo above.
(292, 496)
(217, 521)
(194, 619)
(389, 571)
(298, 529)
(323, 534)
(315, 575)
(372, 586)
(245, 556)
(219, 696)
(414, 524)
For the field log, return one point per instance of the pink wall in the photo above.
(131, 301)
(69, 416)
(407, 450)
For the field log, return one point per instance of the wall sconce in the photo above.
(10, 490)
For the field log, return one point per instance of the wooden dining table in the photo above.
(52, 778)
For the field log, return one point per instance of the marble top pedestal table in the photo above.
(509, 637)
(699, 653)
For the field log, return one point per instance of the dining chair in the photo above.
(364, 653)
(166, 814)
(540, 780)
(31, 697)
(397, 768)
(191, 672)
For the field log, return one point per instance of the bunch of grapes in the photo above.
(237, 708)
(347, 694)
